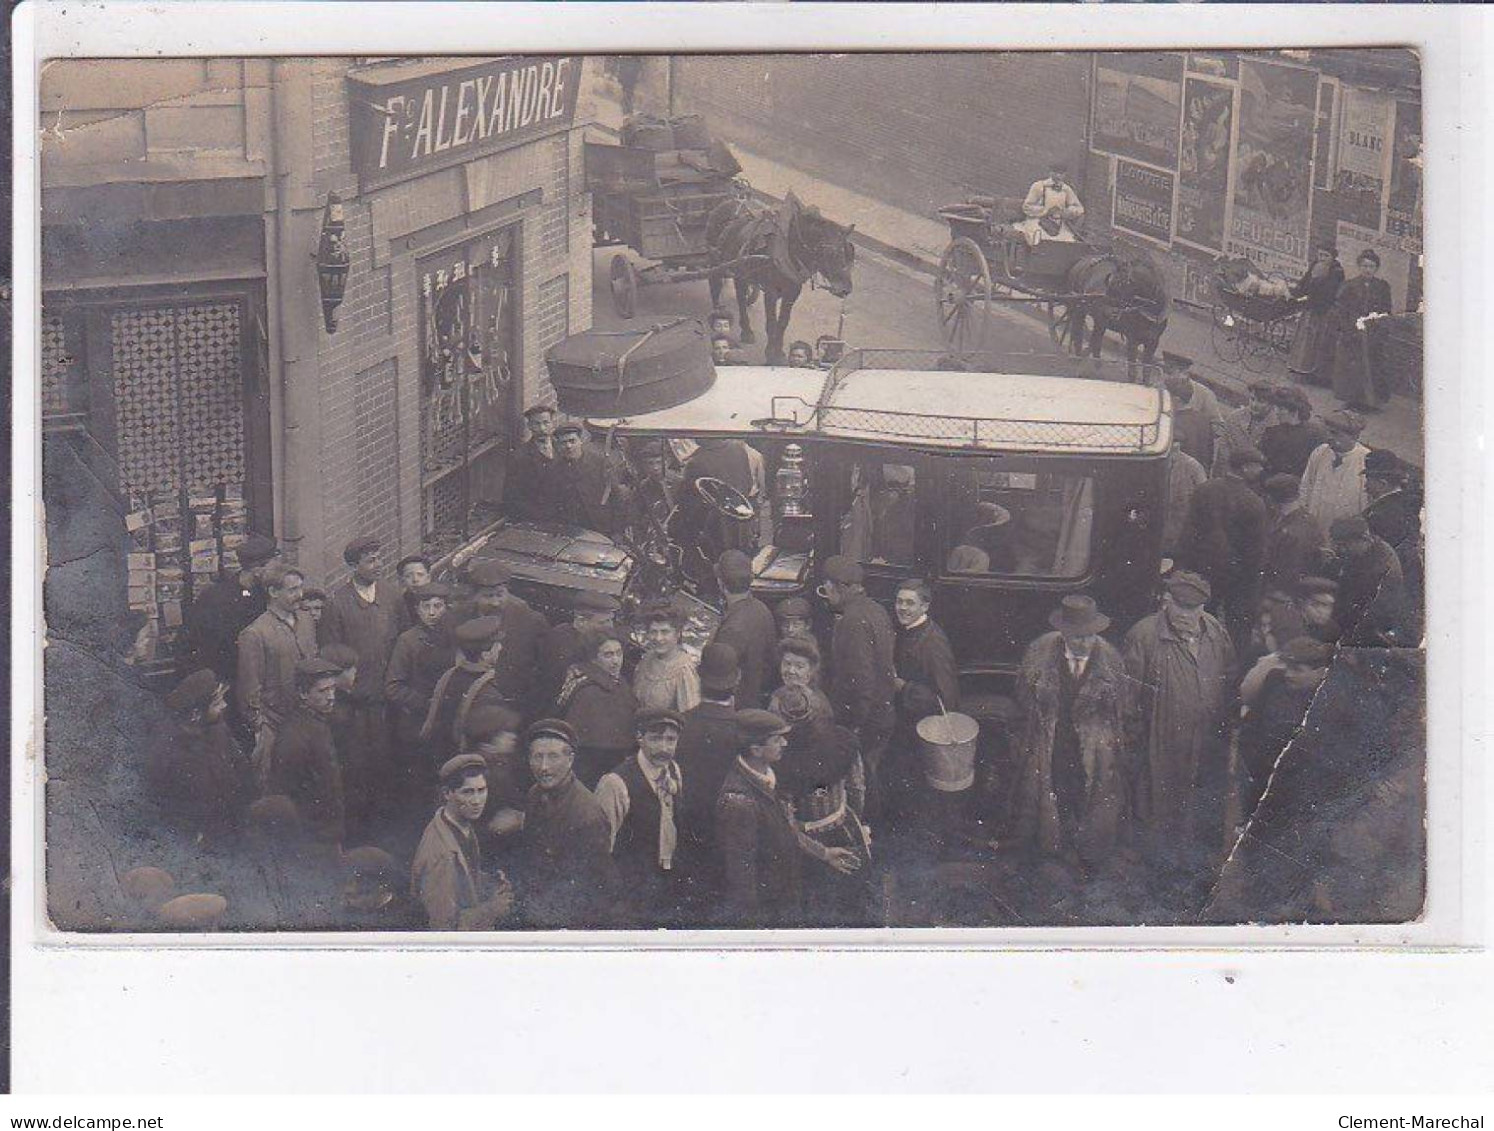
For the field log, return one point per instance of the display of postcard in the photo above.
(169, 590)
(137, 520)
(232, 540)
(169, 574)
(171, 614)
(141, 595)
(142, 576)
(138, 560)
(230, 561)
(198, 503)
(204, 556)
(202, 527)
(168, 541)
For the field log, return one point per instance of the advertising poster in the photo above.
(1363, 156)
(1138, 103)
(1203, 164)
(1143, 201)
(1325, 150)
(1403, 209)
(1273, 166)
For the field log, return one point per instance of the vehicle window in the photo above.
(878, 527)
(1017, 524)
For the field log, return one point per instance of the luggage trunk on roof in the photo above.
(623, 373)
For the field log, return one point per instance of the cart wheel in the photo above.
(962, 294)
(624, 284)
(1257, 347)
(1225, 332)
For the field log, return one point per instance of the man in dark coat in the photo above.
(641, 798)
(225, 608)
(365, 614)
(747, 626)
(1371, 587)
(469, 683)
(565, 873)
(1295, 542)
(928, 683)
(531, 491)
(1289, 445)
(560, 647)
(1071, 796)
(304, 765)
(1275, 718)
(863, 670)
(1192, 429)
(586, 493)
(761, 847)
(708, 739)
(197, 770)
(1224, 539)
(1394, 514)
(519, 671)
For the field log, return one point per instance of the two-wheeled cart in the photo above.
(989, 261)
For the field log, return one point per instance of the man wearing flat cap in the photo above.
(1070, 798)
(1371, 587)
(1295, 542)
(795, 616)
(304, 765)
(761, 848)
(531, 487)
(364, 614)
(469, 683)
(520, 668)
(269, 650)
(1243, 427)
(1333, 484)
(862, 669)
(1224, 539)
(225, 608)
(641, 798)
(586, 492)
(447, 874)
(566, 876)
(1182, 678)
(198, 772)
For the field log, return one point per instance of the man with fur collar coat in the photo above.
(1070, 798)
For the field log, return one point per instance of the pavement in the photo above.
(914, 244)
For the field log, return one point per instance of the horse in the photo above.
(776, 251)
(1123, 291)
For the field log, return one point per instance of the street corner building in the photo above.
(301, 298)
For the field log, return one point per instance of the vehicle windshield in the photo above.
(1017, 524)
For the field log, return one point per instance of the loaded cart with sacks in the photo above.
(653, 194)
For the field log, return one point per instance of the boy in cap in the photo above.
(447, 874)
(1333, 483)
(747, 625)
(469, 683)
(305, 766)
(641, 800)
(863, 669)
(1182, 674)
(1371, 586)
(269, 650)
(197, 770)
(530, 489)
(1244, 427)
(225, 608)
(314, 604)
(421, 656)
(566, 873)
(413, 573)
(761, 847)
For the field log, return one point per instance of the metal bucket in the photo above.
(947, 744)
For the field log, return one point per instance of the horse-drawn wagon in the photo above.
(656, 202)
(1083, 289)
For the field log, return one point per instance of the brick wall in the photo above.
(916, 130)
(369, 371)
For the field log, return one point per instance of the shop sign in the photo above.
(1143, 201)
(403, 127)
(1272, 196)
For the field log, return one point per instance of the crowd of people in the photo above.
(410, 752)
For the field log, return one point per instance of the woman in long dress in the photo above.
(665, 678)
(1316, 291)
(1359, 379)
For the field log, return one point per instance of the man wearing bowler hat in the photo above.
(1183, 679)
(641, 797)
(1070, 798)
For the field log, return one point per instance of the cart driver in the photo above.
(1051, 206)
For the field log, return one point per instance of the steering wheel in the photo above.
(725, 499)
